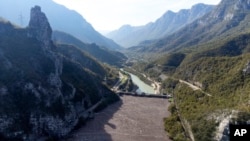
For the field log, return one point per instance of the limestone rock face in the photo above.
(60, 19)
(229, 9)
(44, 92)
(39, 25)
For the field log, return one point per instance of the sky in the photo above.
(108, 15)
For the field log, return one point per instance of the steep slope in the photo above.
(170, 22)
(100, 53)
(228, 47)
(229, 18)
(60, 18)
(213, 54)
(221, 71)
(45, 91)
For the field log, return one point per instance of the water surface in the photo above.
(143, 87)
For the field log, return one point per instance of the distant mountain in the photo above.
(60, 17)
(100, 53)
(170, 22)
(229, 18)
(46, 90)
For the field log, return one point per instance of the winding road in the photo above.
(194, 87)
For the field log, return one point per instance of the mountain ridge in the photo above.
(168, 23)
(74, 24)
(224, 21)
(102, 54)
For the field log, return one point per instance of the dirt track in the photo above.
(131, 119)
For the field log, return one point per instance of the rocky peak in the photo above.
(242, 5)
(39, 26)
(227, 9)
(201, 9)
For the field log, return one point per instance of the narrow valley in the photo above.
(184, 76)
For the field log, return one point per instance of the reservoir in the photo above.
(143, 87)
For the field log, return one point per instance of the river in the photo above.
(143, 87)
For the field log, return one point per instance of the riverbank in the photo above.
(157, 87)
(147, 80)
(124, 83)
(142, 76)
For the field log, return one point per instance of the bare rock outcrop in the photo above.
(39, 26)
(247, 69)
(43, 92)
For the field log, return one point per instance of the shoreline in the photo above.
(157, 87)
(154, 84)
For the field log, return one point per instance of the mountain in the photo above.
(220, 71)
(229, 18)
(206, 67)
(46, 90)
(100, 53)
(68, 21)
(170, 22)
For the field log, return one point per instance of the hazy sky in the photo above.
(112, 14)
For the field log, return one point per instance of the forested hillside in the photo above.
(221, 70)
(102, 54)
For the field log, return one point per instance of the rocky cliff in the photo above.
(44, 92)
(39, 26)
